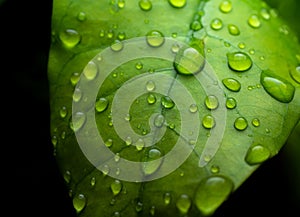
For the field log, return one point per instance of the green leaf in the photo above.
(164, 108)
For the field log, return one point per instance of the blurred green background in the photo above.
(30, 173)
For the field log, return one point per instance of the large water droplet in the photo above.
(116, 187)
(153, 161)
(90, 71)
(254, 21)
(70, 38)
(79, 202)
(230, 103)
(101, 104)
(155, 38)
(211, 193)
(183, 204)
(233, 29)
(211, 102)
(116, 46)
(77, 121)
(225, 6)
(240, 123)
(208, 121)
(279, 88)
(145, 5)
(295, 74)
(216, 24)
(167, 102)
(232, 84)
(239, 61)
(151, 99)
(178, 3)
(257, 154)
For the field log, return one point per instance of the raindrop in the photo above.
(121, 35)
(225, 6)
(81, 16)
(295, 74)
(63, 112)
(153, 161)
(208, 121)
(79, 202)
(255, 122)
(159, 121)
(150, 86)
(116, 46)
(211, 193)
(105, 170)
(230, 103)
(139, 206)
(211, 102)
(216, 24)
(254, 21)
(240, 123)
(70, 38)
(152, 211)
(54, 141)
(140, 144)
(232, 84)
(215, 169)
(139, 65)
(239, 61)
(67, 176)
(74, 78)
(277, 87)
(77, 121)
(116, 187)
(128, 140)
(167, 198)
(155, 38)
(175, 48)
(183, 204)
(145, 5)
(93, 181)
(151, 99)
(257, 154)
(233, 29)
(195, 25)
(265, 14)
(90, 71)
(193, 108)
(167, 102)
(101, 104)
(77, 94)
(177, 3)
(108, 143)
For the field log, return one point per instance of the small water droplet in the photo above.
(240, 123)
(225, 6)
(74, 78)
(255, 122)
(233, 29)
(252, 51)
(67, 176)
(177, 3)
(116, 46)
(232, 84)
(93, 181)
(183, 204)
(241, 45)
(77, 95)
(152, 210)
(254, 21)
(175, 48)
(211, 102)
(54, 141)
(139, 65)
(195, 25)
(121, 4)
(167, 102)
(145, 5)
(167, 198)
(265, 14)
(215, 169)
(295, 74)
(139, 206)
(108, 143)
(277, 87)
(159, 121)
(139, 144)
(208, 122)
(121, 36)
(90, 71)
(193, 108)
(101, 104)
(105, 170)
(116, 187)
(63, 112)
(79, 202)
(216, 24)
(155, 38)
(128, 140)
(117, 157)
(70, 38)
(116, 214)
(239, 61)
(257, 154)
(150, 85)
(81, 16)
(77, 121)
(151, 99)
(152, 162)
(211, 193)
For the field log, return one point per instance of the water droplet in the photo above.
(175, 48)
(105, 170)
(239, 61)
(140, 144)
(230, 103)
(232, 84)
(145, 5)
(211, 102)
(117, 157)
(79, 202)
(177, 3)
(167, 198)
(81, 16)
(121, 4)
(167, 102)
(195, 25)
(139, 65)
(225, 6)
(152, 211)
(70, 38)
(128, 140)
(54, 141)
(208, 121)
(152, 162)
(77, 94)
(74, 78)
(67, 176)
(193, 108)
(90, 71)
(77, 121)
(188, 61)
(257, 154)
(108, 143)
(277, 87)
(155, 38)
(110, 34)
(183, 204)
(101, 104)
(252, 51)
(255, 122)
(265, 13)
(116, 214)
(241, 45)
(211, 193)
(295, 74)
(215, 169)
(150, 86)
(254, 21)
(116, 187)
(240, 123)
(93, 181)
(159, 121)
(116, 45)
(63, 112)
(121, 36)
(151, 99)
(233, 29)
(216, 24)
(139, 206)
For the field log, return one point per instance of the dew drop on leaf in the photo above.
(211, 102)
(150, 85)
(116, 187)
(74, 78)
(67, 176)
(257, 154)
(265, 13)
(277, 87)
(77, 94)
(183, 203)
(139, 65)
(139, 206)
(93, 181)
(77, 121)
(233, 29)
(255, 122)
(63, 112)
(152, 162)
(193, 108)
(230, 103)
(121, 36)
(167, 198)
(195, 25)
(140, 144)
(295, 74)
(155, 38)
(159, 121)
(215, 169)
(151, 99)
(240, 123)
(79, 202)
(145, 5)
(90, 71)
(105, 170)
(208, 122)
(116, 46)
(101, 104)
(225, 6)
(216, 24)
(254, 21)
(152, 210)
(211, 192)
(81, 16)
(239, 61)
(232, 84)
(177, 3)
(108, 143)
(167, 102)
(69, 38)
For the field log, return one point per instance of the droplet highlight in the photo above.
(79, 202)
(240, 123)
(257, 154)
(155, 38)
(239, 61)
(70, 38)
(178, 3)
(232, 84)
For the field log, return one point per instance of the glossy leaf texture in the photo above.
(230, 97)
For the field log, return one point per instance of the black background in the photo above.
(33, 185)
